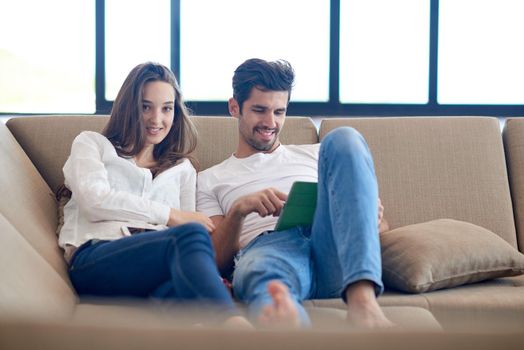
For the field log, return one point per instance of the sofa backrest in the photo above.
(439, 167)
(47, 139)
(513, 136)
(27, 202)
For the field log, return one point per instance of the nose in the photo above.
(156, 115)
(270, 120)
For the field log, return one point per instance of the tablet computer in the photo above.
(300, 206)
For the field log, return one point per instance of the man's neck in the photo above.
(244, 152)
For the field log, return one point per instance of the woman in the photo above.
(137, 174)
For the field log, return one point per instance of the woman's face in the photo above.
(158, 110)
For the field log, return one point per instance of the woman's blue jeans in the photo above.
(176, 264)
(341, 247)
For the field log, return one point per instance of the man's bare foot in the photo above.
(237, 322)
(364, 312)
(283, 313)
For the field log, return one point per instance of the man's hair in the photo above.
(263, 75)
(126, 130)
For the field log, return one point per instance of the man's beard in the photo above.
(262, 146)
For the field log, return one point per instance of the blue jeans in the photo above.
(340, 248)
(176, 264)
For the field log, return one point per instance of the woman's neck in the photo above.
(145, 158)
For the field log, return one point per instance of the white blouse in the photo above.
(110, 192)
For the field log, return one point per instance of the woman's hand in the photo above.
(179, 217)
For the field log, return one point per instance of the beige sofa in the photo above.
(428, 168)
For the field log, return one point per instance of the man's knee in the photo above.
(343, 142)
(343, 138)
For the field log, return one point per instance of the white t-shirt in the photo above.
(110, 191)
(221, 185)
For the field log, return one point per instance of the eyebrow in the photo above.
(165, 103)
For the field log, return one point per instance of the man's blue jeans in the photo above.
(342, 246)
(176, 264)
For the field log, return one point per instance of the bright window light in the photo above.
(481, 52)
(136, 32)
(217, 36)
(384, 51)
(47, 56)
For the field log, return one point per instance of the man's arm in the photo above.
(226, 236)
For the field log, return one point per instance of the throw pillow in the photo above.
(445, 253)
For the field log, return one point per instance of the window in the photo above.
(47, 56)
(136, 32)
(217, 36)
(351, 57)
(384, 51)
(481, 53)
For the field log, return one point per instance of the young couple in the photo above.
(138, 173)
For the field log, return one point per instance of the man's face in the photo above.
(263, 115)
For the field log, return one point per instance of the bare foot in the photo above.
(237, 322)
(283, 313)
(364, 312)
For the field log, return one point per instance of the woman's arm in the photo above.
(87, 177)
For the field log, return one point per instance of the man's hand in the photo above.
(227, 233)
(382, 223)
(266, 202)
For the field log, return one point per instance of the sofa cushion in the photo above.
(29, 285)
(445, 253)
(27, 202)
(433, 167)
(513, 135)
(47, 140)
(497, 305)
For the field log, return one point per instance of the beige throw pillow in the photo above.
(445, 253)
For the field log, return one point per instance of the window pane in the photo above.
(136, 32)
(481, 53)
(47, 56)
(384, 51)
(216, 40)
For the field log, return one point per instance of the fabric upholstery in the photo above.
(513, 135)
(38, 138)
(29, 285)
(27, 201)
(60, 336)
(445, 253)
(495, 304)
(431, 168)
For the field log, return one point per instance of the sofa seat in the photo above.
(470, 307)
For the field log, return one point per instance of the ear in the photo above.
(234, 108)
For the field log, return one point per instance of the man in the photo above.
(339, 255)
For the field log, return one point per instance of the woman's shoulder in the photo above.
(88, 135)
(183, 165)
